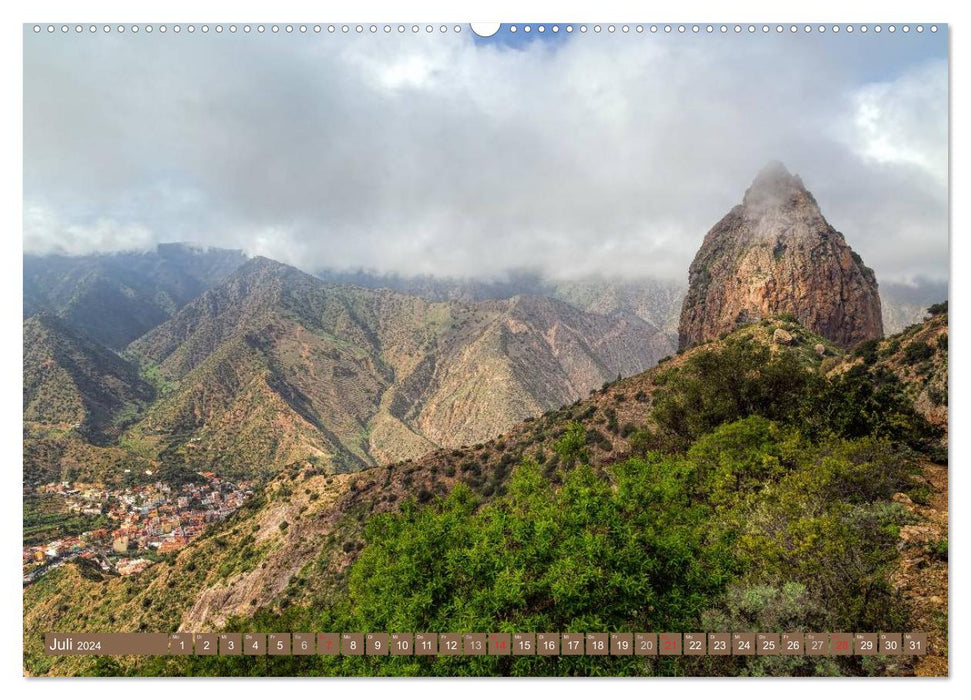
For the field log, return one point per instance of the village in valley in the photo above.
(142, 523)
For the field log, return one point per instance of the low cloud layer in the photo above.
(436, 154)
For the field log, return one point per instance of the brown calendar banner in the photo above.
(491, 644)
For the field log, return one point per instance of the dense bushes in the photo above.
(745, 378)
(760, 499)
(722, 385)
(752, 511)
(755, 526)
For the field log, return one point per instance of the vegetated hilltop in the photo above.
(776, 253)
(751, 483)
(917, 357)
(78, 397)
(114, 298)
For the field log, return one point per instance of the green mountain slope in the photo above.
(117, 297)
(74, 382)
(78, 397)
(274, 366)
(917, 357)
(733, 487)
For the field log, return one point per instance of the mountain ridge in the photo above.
(272, 365)
(72, 381)
(117, 297)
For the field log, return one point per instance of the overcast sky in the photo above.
(442, 154)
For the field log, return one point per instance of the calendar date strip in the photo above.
(490, 644)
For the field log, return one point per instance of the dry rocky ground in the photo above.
(922, 573)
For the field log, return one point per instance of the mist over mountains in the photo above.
(389, 427)
(245, 370)
(203, 358)
(117, 297)
(655, 300)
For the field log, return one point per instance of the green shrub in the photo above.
(867, 350)
(721, 385)
(918, 351)
(572, 447)
(938, 549)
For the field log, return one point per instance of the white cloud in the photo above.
(47, 233)
(903, 121)
(431, 154)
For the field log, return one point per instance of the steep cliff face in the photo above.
(776, 253)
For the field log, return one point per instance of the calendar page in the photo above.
(516, 349)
